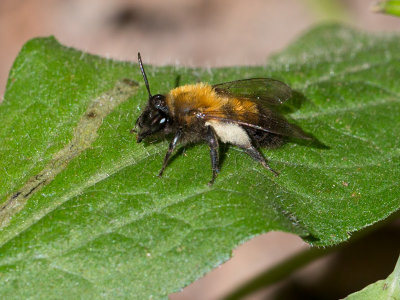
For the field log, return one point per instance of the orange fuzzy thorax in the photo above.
(187, 100)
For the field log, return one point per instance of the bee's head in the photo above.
(155, 116)
(153, 119)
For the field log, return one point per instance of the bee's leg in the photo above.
(171, 148)
(212, 140)
(256, 155)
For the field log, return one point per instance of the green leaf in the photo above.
(84, 214)
(383, 289)
(390, 7)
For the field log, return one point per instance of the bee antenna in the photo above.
(144, 74)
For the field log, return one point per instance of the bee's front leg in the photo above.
(171, 148)
(212, 140)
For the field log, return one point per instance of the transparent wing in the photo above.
(268, 121)
(265, 91)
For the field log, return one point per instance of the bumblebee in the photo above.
(241, 112)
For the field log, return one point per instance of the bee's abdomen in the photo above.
(264, 138)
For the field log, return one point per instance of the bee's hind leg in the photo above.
(256, 155)
(211, 138)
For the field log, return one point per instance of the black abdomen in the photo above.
(265, 139)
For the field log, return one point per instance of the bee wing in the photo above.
(264, 91)
(268, 121)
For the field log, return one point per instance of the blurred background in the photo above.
(204, 33)
(210, 33)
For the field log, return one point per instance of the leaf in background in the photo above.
(383, 289)
(390, 7)
(103, 225)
